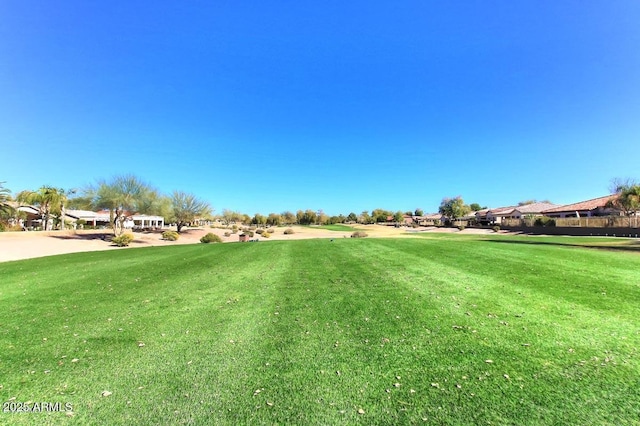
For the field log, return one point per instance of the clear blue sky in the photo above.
(341, 106)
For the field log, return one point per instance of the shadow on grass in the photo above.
(632, 246)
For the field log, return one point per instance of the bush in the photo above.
(359, 234)
(436, 222)
(461, 227)
(122, 240)
(170, 235)
(266, 235)
(270, 230)
(288, 231)
(211, 238)
(227, 234)
(544, 221)
(250, 234)
(496, 228)
(260, 231)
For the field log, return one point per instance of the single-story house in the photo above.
(533, 209)
(495, 216)
(588, 208)
(91, 218)
(432, 219)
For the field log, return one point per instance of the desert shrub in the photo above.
(359, 234)
(252, 228)
(260, 231)
(250, 234)
(461, 227)
(122, 240)
(227, 234)
(234, 231)
(544, 221)
(270, 230)
(436, 222)
(170, 235)
(266, 235)
(211, 238)
(289, 231)
(496, 228)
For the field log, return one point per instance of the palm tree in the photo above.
(6, 210)
(627, 200)
(44, 199)
(63, 199)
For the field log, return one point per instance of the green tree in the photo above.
(419, 212)
(6, 209)
(453, 208)
(380, 215)
(274, 219)
(352, 217)
(259, 219)
(365, 218)
(186, 208)
(47, 200)
(124, 194)
(288, 218)
(229, 217)
(322, 218)
(627, 198)
(475, 207)
(398, 217)
(307, 217)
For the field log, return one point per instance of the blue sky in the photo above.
(341, 106)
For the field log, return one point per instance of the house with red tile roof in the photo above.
(588, 208)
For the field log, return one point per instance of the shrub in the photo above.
(270, 230)
(266, 235)
(227, 234)
(544, 221)
(250, 234)
(170, 235)
(288, 231)
(211, 238)
(496, 228)
(234, 231)
(359, 234)
(461, 227)
(260, 231)
(436, 222)
(122, 240)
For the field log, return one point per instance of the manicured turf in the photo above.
(440, 330)
(336, 227)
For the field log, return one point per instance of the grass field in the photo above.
(336, 227)
(435, 330)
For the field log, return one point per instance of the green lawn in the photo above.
(336, 227)
(443, 330)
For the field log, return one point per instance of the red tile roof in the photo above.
(583, 205)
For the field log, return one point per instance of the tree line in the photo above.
(127, 194)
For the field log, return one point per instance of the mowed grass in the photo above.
(336, 227)
(440, 330)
